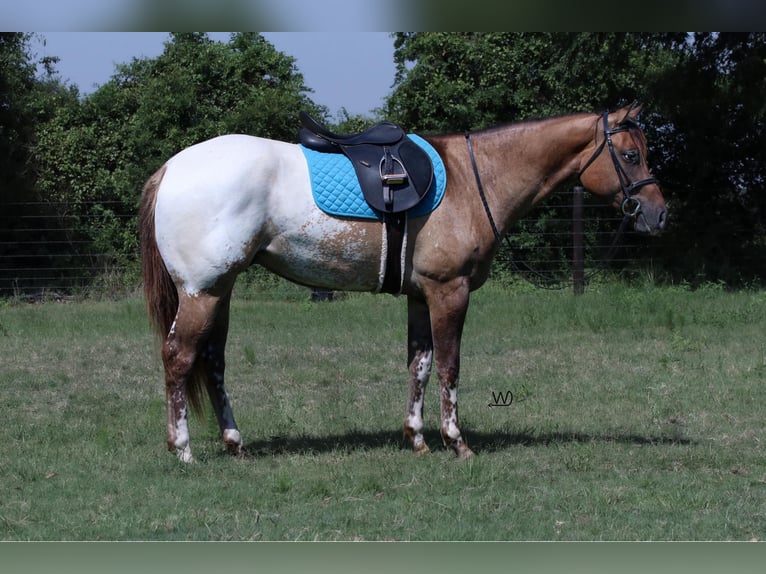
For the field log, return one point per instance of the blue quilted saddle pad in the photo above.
(337, 192)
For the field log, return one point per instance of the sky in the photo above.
(354, 70)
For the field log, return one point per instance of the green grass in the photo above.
(639, 414)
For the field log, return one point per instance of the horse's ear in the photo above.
(632, 110)
(625, 114)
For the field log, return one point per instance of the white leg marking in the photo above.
(415, 416)
(452, 431)
(183, 450)
(424, 368)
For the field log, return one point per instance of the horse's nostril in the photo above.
(662, 219)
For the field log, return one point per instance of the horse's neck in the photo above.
(529, 160)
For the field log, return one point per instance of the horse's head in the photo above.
(617, 168)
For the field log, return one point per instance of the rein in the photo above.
(481, 188)
(482, 195)
(631, 206)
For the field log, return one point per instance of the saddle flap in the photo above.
(396, 191)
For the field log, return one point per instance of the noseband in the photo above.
(631, 206)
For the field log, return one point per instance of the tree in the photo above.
(346, 123)
(96, 156)
(25, 100)
(456, 81)
(712, 137)
(16, 87)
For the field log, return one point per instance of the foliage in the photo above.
(710, 135)
(16, 126)
(16, 134)
(26, 102)
(346, 123)
(456, 81)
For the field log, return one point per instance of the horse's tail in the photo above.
(160, 292)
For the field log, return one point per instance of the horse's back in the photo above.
(229, 164)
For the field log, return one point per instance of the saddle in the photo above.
(393, 171)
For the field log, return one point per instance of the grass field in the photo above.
(638, 414)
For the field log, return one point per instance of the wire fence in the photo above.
(48, 250)
(569, 240)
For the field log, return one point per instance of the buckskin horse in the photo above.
(222, 205)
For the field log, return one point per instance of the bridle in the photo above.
(631, 206)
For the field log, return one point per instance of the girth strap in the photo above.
(395, 225)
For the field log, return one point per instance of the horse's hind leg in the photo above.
(184, 373)
(419, 355)
(213, 357)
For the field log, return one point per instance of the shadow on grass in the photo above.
(479, 442)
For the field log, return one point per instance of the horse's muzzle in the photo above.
(651, 219)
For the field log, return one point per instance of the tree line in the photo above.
(86, 157)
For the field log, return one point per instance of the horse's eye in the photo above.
(631, 156)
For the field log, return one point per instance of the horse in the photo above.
(220, 206)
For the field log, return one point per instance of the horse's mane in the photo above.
(627, 121)
(527, 122)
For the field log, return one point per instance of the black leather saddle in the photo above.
(393, 171)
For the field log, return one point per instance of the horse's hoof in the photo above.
(457, 444)
(464, 453)
(232, 442)
(419, 445)
(184, 455)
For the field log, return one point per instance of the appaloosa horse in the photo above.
(219, 206)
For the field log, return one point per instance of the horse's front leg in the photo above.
(449, 304)
(419, 355)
